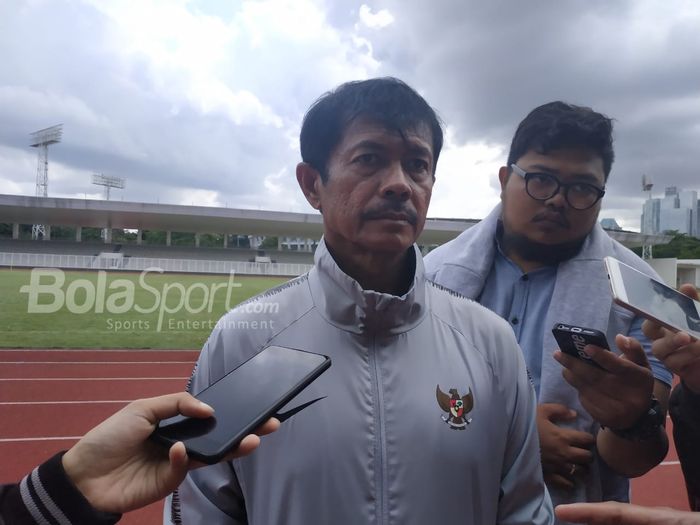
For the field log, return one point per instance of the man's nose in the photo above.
(558, 200)
(395, 183)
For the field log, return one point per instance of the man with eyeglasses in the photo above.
(536, 260)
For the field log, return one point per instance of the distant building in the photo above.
(676, 210)
(610, 224)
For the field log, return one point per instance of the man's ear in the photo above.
(503, 176)
(309, 180)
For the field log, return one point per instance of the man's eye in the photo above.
(367, 159)
(418, 165)
(583, 189)
(541, 178)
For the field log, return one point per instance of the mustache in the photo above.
(547, 216)
(391, 209)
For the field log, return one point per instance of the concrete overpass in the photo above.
(79, 213)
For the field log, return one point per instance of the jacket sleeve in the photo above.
(524, 498)
(684, 407)
(209, 494)
(47, 496)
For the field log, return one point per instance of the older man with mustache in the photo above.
(537, 260)
(378, 449)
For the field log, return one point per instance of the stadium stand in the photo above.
(151, 251)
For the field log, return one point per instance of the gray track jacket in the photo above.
(390, 444)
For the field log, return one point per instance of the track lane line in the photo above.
(29, 439)
(91, 378)
(87, 402)
(96, 362)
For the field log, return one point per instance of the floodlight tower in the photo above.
(41, 140)
(647, 185)
(108, 182)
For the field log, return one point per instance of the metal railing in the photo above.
(95, 262)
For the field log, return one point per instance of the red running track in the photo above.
(49, 398)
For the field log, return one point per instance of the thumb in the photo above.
(632, 350)
(556, 412)
(690, 291)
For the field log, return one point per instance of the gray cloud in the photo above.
(484, 65)
(174, 127)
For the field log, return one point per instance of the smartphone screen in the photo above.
(653, 299)
(242, 400)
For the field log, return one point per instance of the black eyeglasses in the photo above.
(543, 186)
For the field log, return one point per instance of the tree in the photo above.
(211, 240)
(681, 246)
(269, 243)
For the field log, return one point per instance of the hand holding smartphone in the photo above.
(242, 400)
(573, 339)
(652, 299)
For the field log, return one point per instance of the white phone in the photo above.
(652, 299)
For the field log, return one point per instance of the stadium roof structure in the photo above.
(204, 219)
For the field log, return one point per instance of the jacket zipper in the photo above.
(380, 442)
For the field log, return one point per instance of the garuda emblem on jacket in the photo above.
(456, 406)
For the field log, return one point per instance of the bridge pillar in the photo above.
(78, 234)
(15, 230)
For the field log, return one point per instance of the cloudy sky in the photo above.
(200, 101)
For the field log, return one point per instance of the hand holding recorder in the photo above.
(118, 469)
(615, 392)
(679, 352)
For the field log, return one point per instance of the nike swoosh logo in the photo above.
(284, 416)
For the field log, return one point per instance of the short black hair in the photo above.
(558, 125)
(387, 100)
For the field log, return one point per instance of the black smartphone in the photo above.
(242, 400)
(573, 339)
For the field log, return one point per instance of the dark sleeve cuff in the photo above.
(48, 493)
(684, 407)
(688, 398)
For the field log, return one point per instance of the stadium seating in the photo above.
(151, 251)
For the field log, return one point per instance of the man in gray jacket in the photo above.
(429, 415)
(537, 260)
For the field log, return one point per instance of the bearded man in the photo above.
(537, 260)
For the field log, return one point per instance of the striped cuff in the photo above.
(52, 499)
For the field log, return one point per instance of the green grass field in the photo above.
(76, 309)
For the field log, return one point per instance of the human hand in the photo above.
(118, 469)
(565, 452)
(614, 513)
(619, 392)
(679, 352)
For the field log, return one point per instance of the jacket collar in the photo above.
(342, 302)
